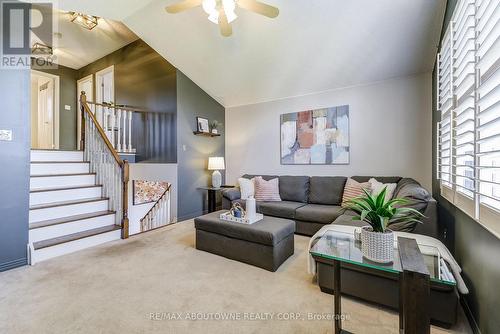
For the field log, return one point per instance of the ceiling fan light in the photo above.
(214, 17)
(229, 7)
(209, 6)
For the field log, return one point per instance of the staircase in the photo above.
(68, 211)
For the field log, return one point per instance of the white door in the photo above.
(86, 85)
(105, 93)
(46, 114)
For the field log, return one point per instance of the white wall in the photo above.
(390, 131)
(150, 172)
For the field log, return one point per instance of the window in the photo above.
(488, 100)
(469, 103)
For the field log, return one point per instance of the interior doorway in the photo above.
(44, 111)
(86, 85)
(105, 85)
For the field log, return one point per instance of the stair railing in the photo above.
(160, 214)
(111, 171)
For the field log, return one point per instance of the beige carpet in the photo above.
(115, 288)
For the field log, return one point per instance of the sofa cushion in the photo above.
(283, 209)
(383, 179)
(268, 231)
(414, 192)
(294, 188)
(231, 193)
(326, 189)
(318, 213)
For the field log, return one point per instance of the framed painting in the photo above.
(315, 137)
(147, 191)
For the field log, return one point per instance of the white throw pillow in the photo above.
(377, 187)
(247, 187)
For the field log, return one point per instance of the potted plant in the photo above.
(213, 126)
(377, 240)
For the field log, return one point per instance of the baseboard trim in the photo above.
(13, 264)
(468, 313)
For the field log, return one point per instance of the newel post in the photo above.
(125, 199)
(83, 101)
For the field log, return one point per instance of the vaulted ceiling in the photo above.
(312, 46)
(77, 46)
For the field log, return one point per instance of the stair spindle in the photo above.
(118, 137)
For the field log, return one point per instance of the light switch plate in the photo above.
(67, 107)
(6, 135)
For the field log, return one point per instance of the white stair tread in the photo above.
(75, 236)
(69, 219)
(59, 175)
(63, 203)
(41, 190)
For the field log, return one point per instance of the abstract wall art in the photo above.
(148, 191)
(315, 137)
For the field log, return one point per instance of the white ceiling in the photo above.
(312, 46)
(76, 46)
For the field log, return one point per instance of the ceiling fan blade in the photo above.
(259, 8)
(225, 28)
(182, 6)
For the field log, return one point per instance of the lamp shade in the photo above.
(216, 163)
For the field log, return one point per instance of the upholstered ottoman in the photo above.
(265, 244)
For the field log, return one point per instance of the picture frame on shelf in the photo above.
(202, 125)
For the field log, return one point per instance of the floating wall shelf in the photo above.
(206, 134)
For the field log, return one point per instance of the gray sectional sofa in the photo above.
(313, 202)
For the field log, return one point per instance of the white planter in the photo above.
(376, 246)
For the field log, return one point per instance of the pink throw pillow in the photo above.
(267, 190)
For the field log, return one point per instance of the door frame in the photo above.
(57, 102)
(98, 82)
(79, 111)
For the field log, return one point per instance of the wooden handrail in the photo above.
(85, 107)
(162, 195)
(124, 166)
(119, 106)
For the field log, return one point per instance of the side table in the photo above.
(212, 196)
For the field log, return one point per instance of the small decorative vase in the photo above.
(376, 246)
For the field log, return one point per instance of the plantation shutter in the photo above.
(464, 109)
(445, 104)
(468, 76)
(488, 101)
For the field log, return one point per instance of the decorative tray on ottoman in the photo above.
(229, 217)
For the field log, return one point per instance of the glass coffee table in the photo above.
(415, 264)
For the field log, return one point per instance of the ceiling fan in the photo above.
(221, 12)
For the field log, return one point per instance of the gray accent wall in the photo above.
(67, 96)
(145, 80)
(193, 151)
(14, 162)
(474, 247)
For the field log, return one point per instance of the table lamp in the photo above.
(216, 164)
